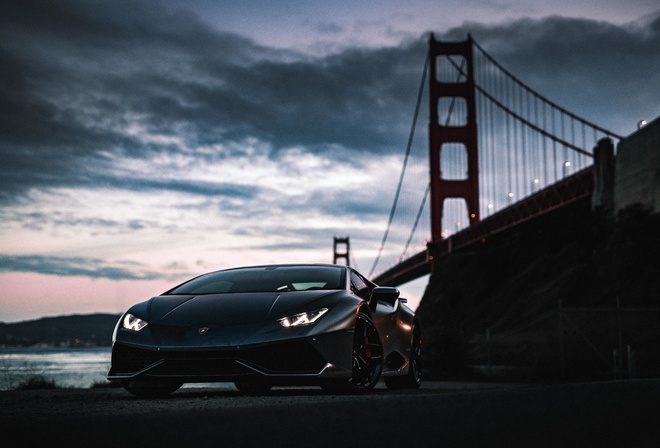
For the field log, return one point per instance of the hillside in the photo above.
(75, 330)
(542, 303)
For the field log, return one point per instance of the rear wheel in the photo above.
(151, 389)
(367, 359)
(412, 379)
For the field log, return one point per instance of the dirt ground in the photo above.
(609, 414)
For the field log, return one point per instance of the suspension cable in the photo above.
(450, 112)
(542, 98)
(419, 215)
(516, 116)
(405, 163)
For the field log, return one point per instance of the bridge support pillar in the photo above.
(602, 199)
(341, 255)
(450, 92)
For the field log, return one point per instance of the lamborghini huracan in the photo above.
(274, 325)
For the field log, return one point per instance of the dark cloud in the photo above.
(39, 221)
(76, 266)
(602, 72)
(75, 76)
(329, 28)
(209, 189)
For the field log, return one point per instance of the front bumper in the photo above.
(302, 360)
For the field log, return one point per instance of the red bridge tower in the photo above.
(446, 93)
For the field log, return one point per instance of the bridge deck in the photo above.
(567, 191)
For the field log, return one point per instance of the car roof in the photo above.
(282, 265)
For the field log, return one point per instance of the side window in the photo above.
(359, 286)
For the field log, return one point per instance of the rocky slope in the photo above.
(541, 302)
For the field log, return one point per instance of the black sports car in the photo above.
(263, 326)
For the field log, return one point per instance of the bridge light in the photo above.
(535, 181)
(641, 124)
(472, 215)
(490, 206)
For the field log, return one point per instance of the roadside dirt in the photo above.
(610, 414)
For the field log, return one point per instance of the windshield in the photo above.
(265, 279)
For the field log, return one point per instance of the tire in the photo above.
(249, 388)
(367, 359)
(412, 379)
(150, 389)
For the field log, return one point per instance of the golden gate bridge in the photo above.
(498, 154)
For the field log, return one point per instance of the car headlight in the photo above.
(301, 319)
(131, 322)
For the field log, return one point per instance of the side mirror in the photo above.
(386, 294)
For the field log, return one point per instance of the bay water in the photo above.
(67, 367)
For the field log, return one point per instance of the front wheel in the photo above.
(151, 389)
(367, 359)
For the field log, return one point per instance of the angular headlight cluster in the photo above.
(302, 318)
(131, 322)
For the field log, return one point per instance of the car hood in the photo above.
(231, 308)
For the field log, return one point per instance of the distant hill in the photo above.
(75, 330)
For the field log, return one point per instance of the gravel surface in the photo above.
(617, 414)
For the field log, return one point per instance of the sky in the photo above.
(145, 142)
